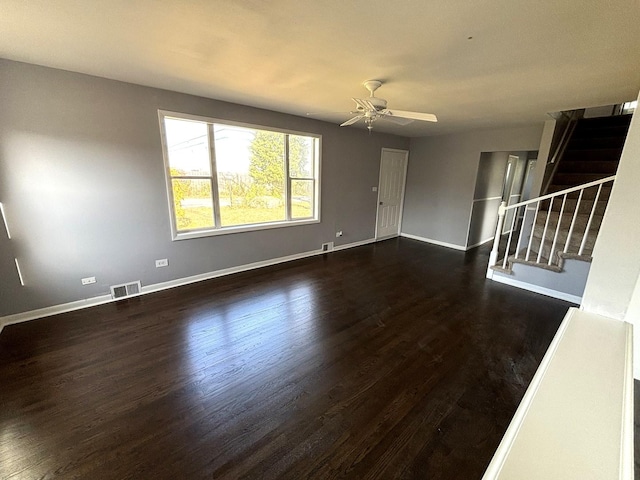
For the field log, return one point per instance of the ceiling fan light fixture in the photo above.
(372, 108)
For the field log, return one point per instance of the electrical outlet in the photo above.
(88, 280)
(162, 263)
(374, 189)
(339, 233)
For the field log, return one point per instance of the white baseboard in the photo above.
(469, 247)
(537, 289)
(354, 244)
(156, 287)
(434, 242)
(178, 282)
(54, 310)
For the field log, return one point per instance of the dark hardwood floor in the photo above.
(393, 360)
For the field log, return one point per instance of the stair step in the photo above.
(595, 142)
(567, 217)
(556, 265)
(585, 206)
(588, 194)
(583, 131)
(599, 122)
(573, 248)
(576, 179)
(543, 263)
(581, 155)
(606, 167)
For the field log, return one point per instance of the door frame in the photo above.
(404, 186)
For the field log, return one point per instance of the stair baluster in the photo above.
(535, 218)
(544, 232)
(524, 215)
(513, 227)
(573, 222)
(588, 227)
(555, 237)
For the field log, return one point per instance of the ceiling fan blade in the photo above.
(364, 104)
(425, 117)
(398, 120)
(351, 121)
(314, 114)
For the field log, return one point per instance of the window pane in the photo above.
(301, 153)
(187, 147)
(251, 172)
(193, 204)
(301, 198)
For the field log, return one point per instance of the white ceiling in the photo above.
(526, 57)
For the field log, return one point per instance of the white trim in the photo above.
(485, 199)
(537, 289)
(156, 287)
(469, 247)
(473, 202)
(354, 244)
(233, 123)
(20, 277)
(404, 186)
(434, 242)
(4, 220)
(502, 452)
(217, 228)
(54, 310)
(571, 320)
(242, 228)
(627, 433)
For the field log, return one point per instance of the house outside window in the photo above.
(226, 177)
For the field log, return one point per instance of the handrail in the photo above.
(562, 146)
(561, 192)
(567, 134)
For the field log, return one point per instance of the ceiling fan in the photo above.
(374, 108)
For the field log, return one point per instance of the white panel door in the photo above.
(393, 174)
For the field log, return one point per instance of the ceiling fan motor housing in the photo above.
(379, 103)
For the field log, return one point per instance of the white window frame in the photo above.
(218, 229)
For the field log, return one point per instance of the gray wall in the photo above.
(489, 184)
(82, 182)
(442, 174)
(570, 281)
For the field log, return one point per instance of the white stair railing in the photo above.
(500, 256)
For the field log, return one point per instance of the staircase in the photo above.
(593, 152)
(564, 223)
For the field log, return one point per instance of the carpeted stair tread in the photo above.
(607, 167)
(582, 155)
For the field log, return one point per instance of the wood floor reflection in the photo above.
(391, 360)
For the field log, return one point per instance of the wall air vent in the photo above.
(327, 247)
(126, 290)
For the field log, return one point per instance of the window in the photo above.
(228, 177)
(629, 107)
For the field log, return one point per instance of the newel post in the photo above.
(493, 256)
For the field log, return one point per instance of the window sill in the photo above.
(241, 229)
